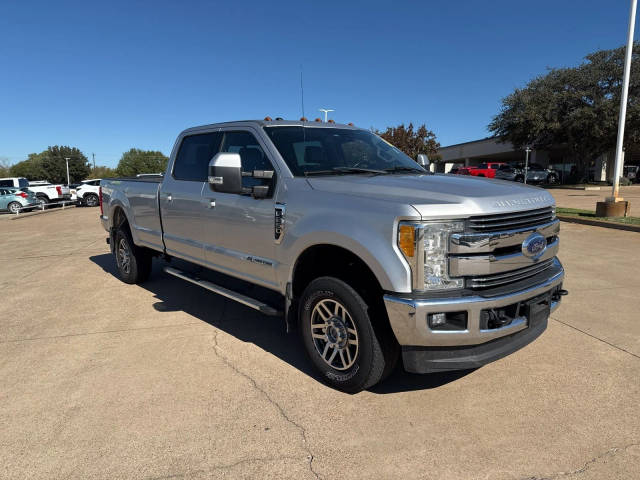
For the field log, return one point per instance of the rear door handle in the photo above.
(211, 203)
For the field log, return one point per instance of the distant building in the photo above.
(493, 150)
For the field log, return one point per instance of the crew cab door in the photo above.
(239, 229)
(181, 201)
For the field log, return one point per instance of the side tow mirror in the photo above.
(225, 173)
(423, 161)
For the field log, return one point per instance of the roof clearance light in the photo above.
(303, 119)
(318, 119)
(350, 124)
(331, 121)
(267, 119)
(279, 118)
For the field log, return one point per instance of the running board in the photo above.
(225, 292)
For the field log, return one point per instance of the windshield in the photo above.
(309, 150)
(22, 182)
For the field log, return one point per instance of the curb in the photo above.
(600, 223)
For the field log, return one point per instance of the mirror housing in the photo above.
(423, 161)
(225, 173)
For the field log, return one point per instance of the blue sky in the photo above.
(109, 76)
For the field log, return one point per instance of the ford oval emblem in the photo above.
(534, 245)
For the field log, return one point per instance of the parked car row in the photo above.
(534, 173)
(20, 194)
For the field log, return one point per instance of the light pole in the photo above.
(526, 163)
(68, 182)
(326, 110)
(623, 104)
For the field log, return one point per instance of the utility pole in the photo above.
(326, 110)
(526, 164)
(67, 159)
(623, 104)
(94, 161)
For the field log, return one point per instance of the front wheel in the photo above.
(14, 207)
(339, 337)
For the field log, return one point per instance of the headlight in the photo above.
(426, 247)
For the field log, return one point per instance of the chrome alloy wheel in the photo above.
(334, 334)
(124, 256)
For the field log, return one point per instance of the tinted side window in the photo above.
(482, 165)
(494, 166)
(192, 161)
(251, 155)
(6, 183)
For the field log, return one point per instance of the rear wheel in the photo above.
(520, 179)
(42, 201)
(134, 263)
(91, 200)
(339, 336)
(14, 207)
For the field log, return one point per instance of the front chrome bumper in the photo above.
(408, 316)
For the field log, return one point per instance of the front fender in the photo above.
(373, 244)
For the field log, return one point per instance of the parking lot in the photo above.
(99, 379)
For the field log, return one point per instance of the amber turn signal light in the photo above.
(406, 240)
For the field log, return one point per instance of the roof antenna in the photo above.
(301, 91)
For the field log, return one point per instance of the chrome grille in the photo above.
(511, 221)
(499, 279)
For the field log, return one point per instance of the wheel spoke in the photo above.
(324, 353)
(321, 336)
(324, 311)
(333, 355)
(348, 355)
(344, 364)
(318, 325)
(353, 342)
(352, 331)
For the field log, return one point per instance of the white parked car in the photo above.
(44, 190)
(88, 193)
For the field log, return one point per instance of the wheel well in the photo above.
(119, 219)
(334, 261)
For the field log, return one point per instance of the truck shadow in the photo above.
(248, 325)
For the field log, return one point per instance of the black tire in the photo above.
(520, 179)
(91, 200)
(360, 365)
(14, 207)
(552, 179)
(133, 263)
(42, 200)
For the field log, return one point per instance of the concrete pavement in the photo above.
(586, 199)
(99, 379)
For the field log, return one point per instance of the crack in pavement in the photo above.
(609, 453)
(303, 431)
(596, 338)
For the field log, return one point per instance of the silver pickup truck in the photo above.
(370, 256)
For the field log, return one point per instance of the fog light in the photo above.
(447, 322)
(436, 320)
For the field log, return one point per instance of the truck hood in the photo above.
(439, 196)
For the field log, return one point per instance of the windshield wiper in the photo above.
(344, 171)
(402, 168)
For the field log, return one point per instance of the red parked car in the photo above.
(485, 169)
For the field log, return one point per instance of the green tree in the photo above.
(137, 161)
(576, 107)
(102, 172)
(51, 165)
(412, 142)
(5, 167)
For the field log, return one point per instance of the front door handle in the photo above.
(211, 203)
(169, 198)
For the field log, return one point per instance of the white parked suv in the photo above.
(88, 192)
(44, 190)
